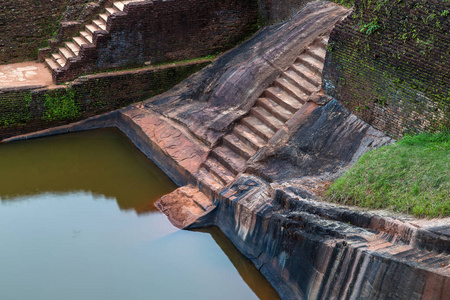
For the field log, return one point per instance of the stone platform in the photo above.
(25, 74)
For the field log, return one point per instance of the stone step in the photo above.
(282, 98)
(380, 246)
(247, 136)
(304, 87)
(299, 74)
(80, 40)
(218, 170)
(311, 63)
(293, 90)
(59, 59)
(239, 146)
(100, 24)
(118, 5)
(317, 52)
(230, 159)
(51, 64)
(91, 28)
(64, 52)
(104, 17)
(87, 36)
(73, 48)
(208, 179)
(277, 110)
(323, 41)
(258, 128)
(267, 118)
(111, 10)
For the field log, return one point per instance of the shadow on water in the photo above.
(249, 273)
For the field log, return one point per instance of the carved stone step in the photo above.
(277, 110)
(311, 63)
(317, 52)
(323, 41)
(239, 146)
(104, 17)
(100, 24)
(282, 98)
(230, 159)
(258, 127)
(59, 59)
(111, 10)
(247, 136)
(219, 170)
(208, 179)
(80, 40)
(87, 36)
(73, 48)
(64, 52)
(118, 5)
(299, 73)
(301, 94)
(51, 64)
(267, 118)
(305, 87)
(91, 28)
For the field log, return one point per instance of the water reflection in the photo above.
(101, 162)
(62, 236)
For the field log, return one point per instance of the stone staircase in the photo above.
(71, 50)
(277, 104)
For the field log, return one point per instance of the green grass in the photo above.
(411, 176)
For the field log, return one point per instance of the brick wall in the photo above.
(162, 31)
(28, 109)
(389, 64)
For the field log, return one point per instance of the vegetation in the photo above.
(411, 176)
(61, 106)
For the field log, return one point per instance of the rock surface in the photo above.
(212, 99)
(185, 206)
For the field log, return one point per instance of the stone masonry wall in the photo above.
(389, 64)
(162, 31)
(28, 109)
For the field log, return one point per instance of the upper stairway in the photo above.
(131, 33)
(74, 50)
(275, 106)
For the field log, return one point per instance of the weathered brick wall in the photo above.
(27, 25)
(389, 64)
(162, 31)
(28, 109)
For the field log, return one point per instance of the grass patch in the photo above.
(411, 176)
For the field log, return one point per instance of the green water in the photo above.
(77, 222)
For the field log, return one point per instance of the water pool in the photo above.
(77, 221)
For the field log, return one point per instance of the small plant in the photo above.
(371, 27)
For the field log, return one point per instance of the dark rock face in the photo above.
(324, 142)
(307, 255)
